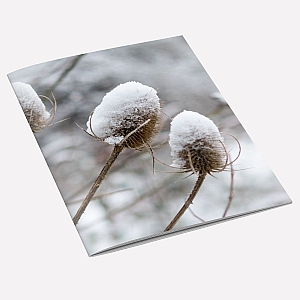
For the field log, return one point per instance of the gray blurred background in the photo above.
(132, 202)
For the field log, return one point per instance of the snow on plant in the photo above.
(33, 107)
(128, 116)
(196, 144)
(198, 147)
(129, 108)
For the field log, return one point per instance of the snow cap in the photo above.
(122, 111)
(196, 143)
(33, 107)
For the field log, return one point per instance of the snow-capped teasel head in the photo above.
(33, 107)
(130, 108)
(196, 144)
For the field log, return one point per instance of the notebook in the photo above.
(142, 145)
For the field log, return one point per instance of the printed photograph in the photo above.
(142, 144)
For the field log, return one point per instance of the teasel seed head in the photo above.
(196, 144)
(131, 109)
(33, 107)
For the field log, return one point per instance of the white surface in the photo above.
(251, 52)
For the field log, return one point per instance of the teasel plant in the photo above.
(129, 116)
(197, 147)
(33, 107)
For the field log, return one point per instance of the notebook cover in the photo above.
(142, 191)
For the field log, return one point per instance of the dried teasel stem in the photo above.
(113, 156)
(128, 117)
(187, 203)
(118, 148)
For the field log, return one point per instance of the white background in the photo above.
(251, 51)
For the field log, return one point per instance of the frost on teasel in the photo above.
(33, 107)
(129, 109)
(196, 144)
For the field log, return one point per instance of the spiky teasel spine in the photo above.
(197, 147)
(128, 116)
(33, 107)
